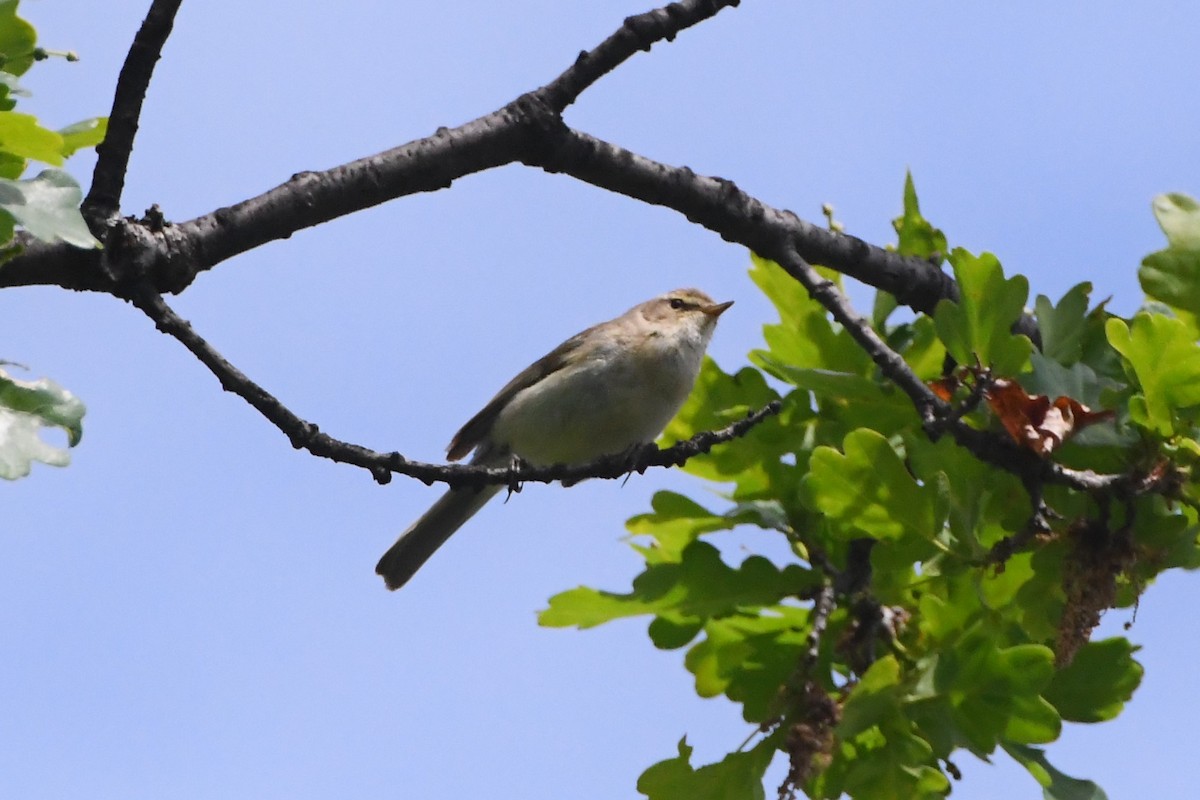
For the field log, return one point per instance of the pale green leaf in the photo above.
(700, 585)
(917, 236)
(738, 776)
(17, 40)
(1166, 361)
(22, 135)
(83, 134)
(1055, 785)
(868, 490)
(1179, 217)
(26, 407)
(979, 325)
(48, 207)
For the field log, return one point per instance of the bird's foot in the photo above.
(515, 465)
(637, 459)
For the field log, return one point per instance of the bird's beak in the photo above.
(716, 309)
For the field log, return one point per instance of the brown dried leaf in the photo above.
(1033, 421)
(945, 387)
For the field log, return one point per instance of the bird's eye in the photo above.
(677, 303)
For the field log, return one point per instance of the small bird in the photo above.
(604, 391)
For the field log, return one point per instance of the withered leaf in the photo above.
(1035, 421)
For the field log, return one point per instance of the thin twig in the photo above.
(112, 155)
(823, 606)
(929, 406)
(935, 414)
(305, 435)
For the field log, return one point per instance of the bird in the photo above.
(605, 391)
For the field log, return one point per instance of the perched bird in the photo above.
(604, 391)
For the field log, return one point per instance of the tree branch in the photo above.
(108, 178)
(936, 415)
(637, 33)
(144, 258)
(312, 198)
(722, 207)
(305, 435)
(530, 130)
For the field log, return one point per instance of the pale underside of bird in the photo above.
(604, 391)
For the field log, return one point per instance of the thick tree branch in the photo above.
(311, 198)
(54, 264)
(108, 178)
(305, 435)
(529, 129)
(722, 207)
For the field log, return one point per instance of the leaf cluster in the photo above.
(46, 205)
(884, 636)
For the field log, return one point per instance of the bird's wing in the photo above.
(479, 426)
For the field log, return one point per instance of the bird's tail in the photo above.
(427, 534)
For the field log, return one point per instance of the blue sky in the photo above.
(189, 610)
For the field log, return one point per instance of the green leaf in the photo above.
(874, 699)
(1055, 785)
(984, 503)
(995, 691)
(17, 40)
(11, 166)
(1166, 361)
(885, 303)
(25, 408)
(848, 386)
(922, 348)
(738, 776)
(805, 337)
(1172, 275)
(82, 135)
(10, 88)
(980, 324)
(1167, 275)
(1062, 325)
(749, 656)
(845, 400)
(895, 771)
(22, 135)
(48, 207)
(1097, 683)
(869, 491)
(701, 585)
(675, 523)
(716, 400)
(1097, 352)
(917, 236)
(1179, 217)
(669, 631)
(1166, 535)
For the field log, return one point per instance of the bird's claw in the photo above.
(515, 465)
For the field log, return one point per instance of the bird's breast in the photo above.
(604, 403)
